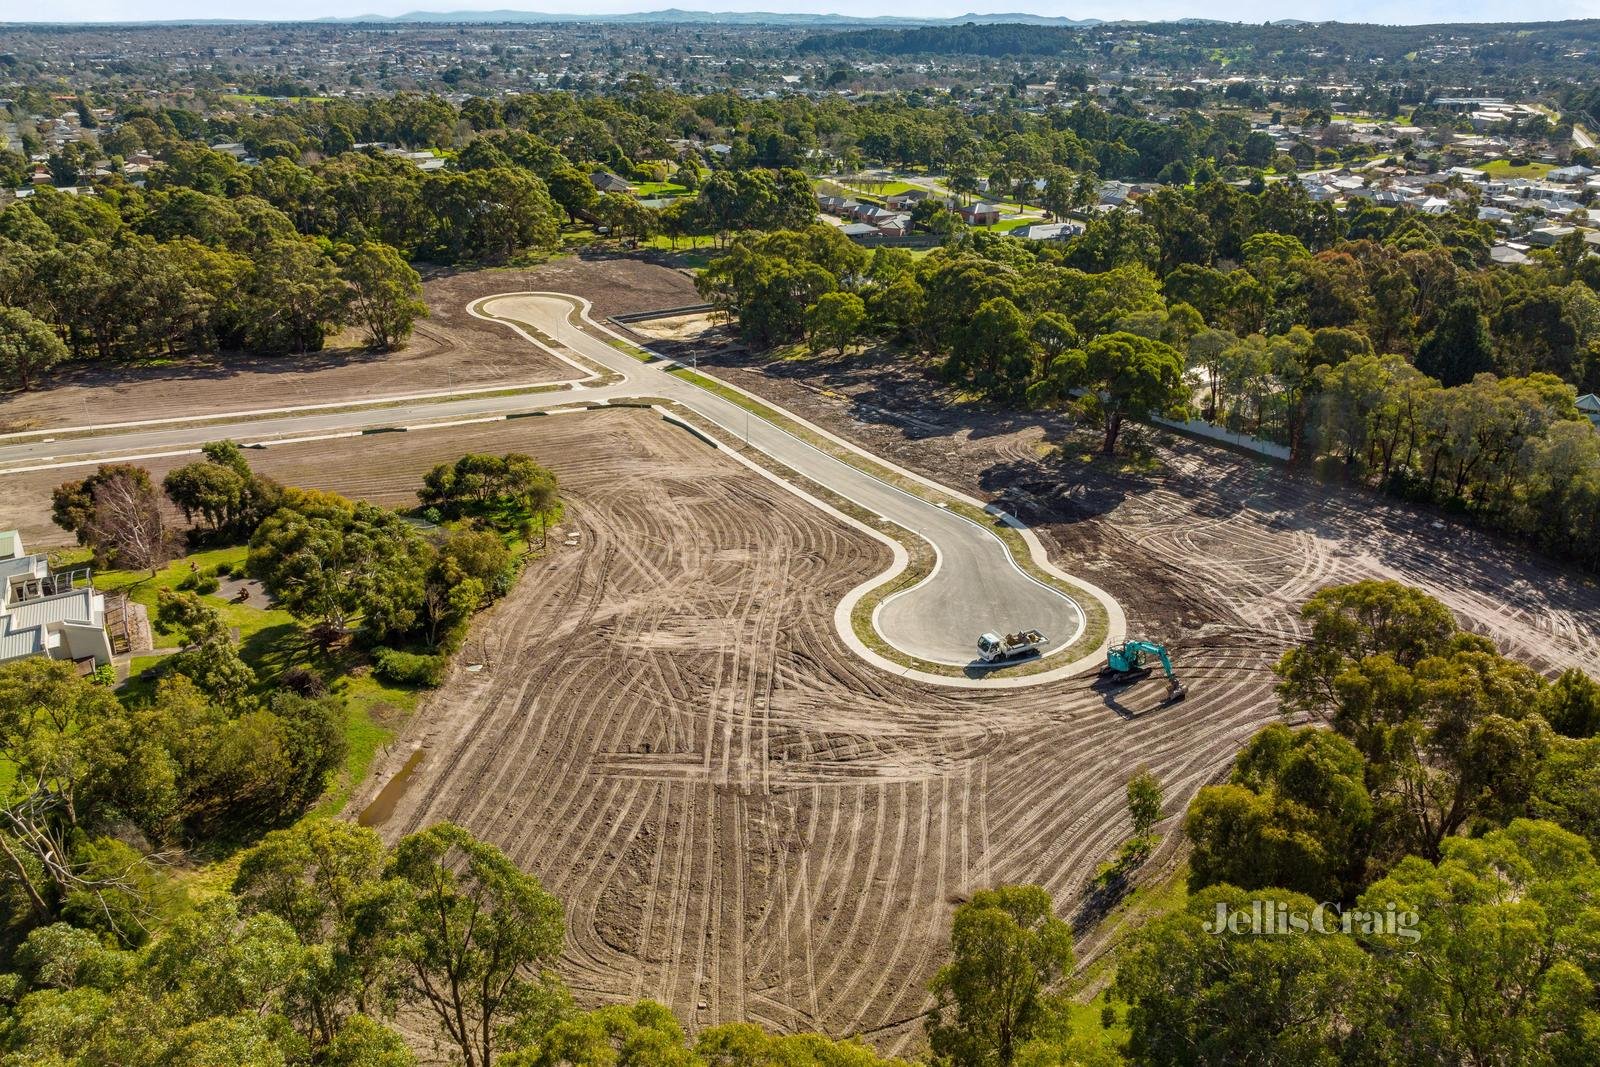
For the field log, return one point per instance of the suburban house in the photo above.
(911, 198)
(1548, 236)
(1510, 255)
(979, 214)
(874, 214)
(607, 182)
(59, 615)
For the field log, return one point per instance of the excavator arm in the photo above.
(1128, 660)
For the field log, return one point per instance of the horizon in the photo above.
(1404, 13)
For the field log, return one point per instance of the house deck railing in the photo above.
(51, 585)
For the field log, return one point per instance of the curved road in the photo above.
(975, 585)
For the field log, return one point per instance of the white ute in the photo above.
(993, 648)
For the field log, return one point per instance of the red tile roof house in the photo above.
(907, 200)
(979, 214)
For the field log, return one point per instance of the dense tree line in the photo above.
(142, 275)
(272, 257)
(1447, 783)
(1381, 344)
(93, 774)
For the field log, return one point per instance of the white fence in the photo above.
(1200, 428)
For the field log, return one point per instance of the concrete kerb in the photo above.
(388, 400)
(1116, 620)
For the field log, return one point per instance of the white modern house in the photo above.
(59, 615)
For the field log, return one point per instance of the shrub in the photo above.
(409, 668)
(304, 681)
(223, 569)
(206, 584)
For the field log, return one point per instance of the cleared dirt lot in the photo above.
(450, 350)
(746, 821)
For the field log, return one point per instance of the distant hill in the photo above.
(963, 39)
(729, 18)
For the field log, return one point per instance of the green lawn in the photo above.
(691, 252)
(374, 709)
(828, 187)
(1007, 225)
(648, 190)
(889, 188)
(1503, 168)
(1088, 1021)
(259, 631)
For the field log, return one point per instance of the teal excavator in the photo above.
(1126, 663)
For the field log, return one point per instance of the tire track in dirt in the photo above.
(741, 813)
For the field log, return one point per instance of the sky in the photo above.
(1384, 11)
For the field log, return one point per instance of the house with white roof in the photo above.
(60, 615)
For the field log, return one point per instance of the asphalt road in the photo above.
(975, 586)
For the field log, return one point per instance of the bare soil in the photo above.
(744, 820)
(693, 327)
(449, 350)
(747, 822)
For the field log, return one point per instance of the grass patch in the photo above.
(143, 673)
(1503, 168)
(1089, 1022)
(693, 253)
(1007, 225)
(374, 712)
(1146, 902)
(252, 623)
(259, 99)
(628, 348)
(887, 188)
(652, 190)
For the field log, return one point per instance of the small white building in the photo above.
(58, 615)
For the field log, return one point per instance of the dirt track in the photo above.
(451, 350)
